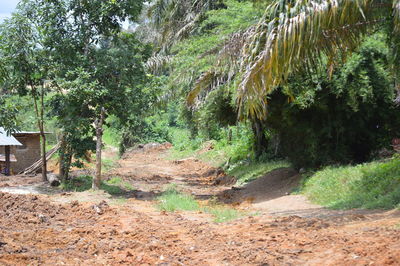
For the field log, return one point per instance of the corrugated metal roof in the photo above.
(8, 140)
(19, 133)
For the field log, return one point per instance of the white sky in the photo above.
(6, 8)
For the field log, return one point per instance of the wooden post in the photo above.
(8, 161)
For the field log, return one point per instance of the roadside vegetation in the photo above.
(173, 200)
(374, 185)
(114, 186)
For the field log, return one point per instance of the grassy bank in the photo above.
(371, 186)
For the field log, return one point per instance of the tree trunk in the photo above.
(62, 158)
(229, 135)
(43, 135)
(99, 136)
(40, 124)
(8, 160)
(44, 164)
(65, 159)
(261, 142)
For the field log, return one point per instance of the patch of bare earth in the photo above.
(81, 228)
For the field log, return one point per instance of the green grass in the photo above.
(119, 182)
(183, 146)
(373, 185)
(173, 200)
(243, 167)
(119, 201)
(248, 171)
(108, 164)
(84, 183)
(224, 214)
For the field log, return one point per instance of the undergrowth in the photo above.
(371, 185)
(113, 186)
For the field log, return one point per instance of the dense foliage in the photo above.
(320, 118)
(347, 118)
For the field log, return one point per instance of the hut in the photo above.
(6, 143)
(23, 155)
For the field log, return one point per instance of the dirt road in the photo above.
(97, 229)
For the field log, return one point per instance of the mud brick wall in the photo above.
(27, 154)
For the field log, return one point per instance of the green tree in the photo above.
(28, 62)
(98, 68)
(8, 115)
(110, 85)
(47, 44)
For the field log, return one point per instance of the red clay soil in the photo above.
(37, 231)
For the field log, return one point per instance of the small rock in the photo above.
(42, 218)
(74, 203)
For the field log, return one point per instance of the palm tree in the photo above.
(176, 19)
(294, 36)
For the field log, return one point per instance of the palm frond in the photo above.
(203, 83)
(296, 36)
(175, 19)
(396, 16)
(158, 62)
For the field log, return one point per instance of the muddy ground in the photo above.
(98, 229)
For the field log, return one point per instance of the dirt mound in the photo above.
(149, 147)
(276, 183)
(224, 180)
(299, 222)
(34, 210)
